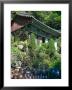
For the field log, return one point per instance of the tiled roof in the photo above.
(38, 24)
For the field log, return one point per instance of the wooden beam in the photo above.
(37, 31)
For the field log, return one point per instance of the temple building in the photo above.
(23, 20)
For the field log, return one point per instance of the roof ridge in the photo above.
(46, 25)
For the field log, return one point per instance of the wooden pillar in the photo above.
(43, 39)
(55, 44)
(39, 40)
(46, 40)
(29, 35)
(36, 41)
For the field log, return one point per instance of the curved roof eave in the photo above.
(44, 27)
(58, 31)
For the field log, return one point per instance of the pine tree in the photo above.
(32, 41)
(59, 45)
(32, 46)
(51, 47)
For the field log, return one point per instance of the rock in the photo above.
(20, 47)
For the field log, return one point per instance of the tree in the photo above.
(51, 48)
(59, 45)
(32, 43)
(37, 56)
(51, 18)
(32, 46)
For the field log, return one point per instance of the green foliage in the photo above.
(43, 55)
(31, 47)
(51, 47)
(34, 55)
(32, 43)
(56, 60)
(51, 18)
(59, 45)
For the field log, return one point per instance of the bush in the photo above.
(36, 56)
